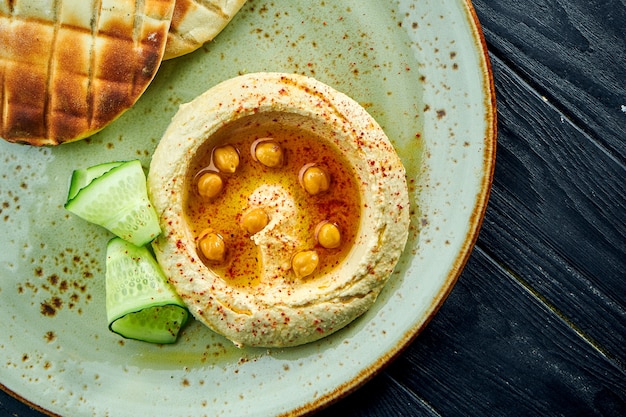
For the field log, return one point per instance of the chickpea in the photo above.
(328, 235)
(210, 185)
(315, 180)
(212, 246)
(304, 263)
(254, 220)
(226, 158)
(269, 153)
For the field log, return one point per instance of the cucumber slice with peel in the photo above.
(153, 325)
(116, 200)
(82, 177)
(140, 302)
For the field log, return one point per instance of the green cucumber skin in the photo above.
(118, 201)
(83, 177)
(135, 284)
(134, 280)
(153, 325)
(140, 302)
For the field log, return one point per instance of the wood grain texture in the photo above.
(559, 198)
(384, 396)
(553, 192)
(497, 350)
(573, 53)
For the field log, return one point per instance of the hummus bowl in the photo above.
(316, 124)
(420, 69)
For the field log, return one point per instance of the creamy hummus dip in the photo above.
(283, 205)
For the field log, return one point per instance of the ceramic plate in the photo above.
(420, 68)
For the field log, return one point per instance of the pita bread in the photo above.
(70, 67)
(196, 22)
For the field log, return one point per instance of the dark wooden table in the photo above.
(536, 324)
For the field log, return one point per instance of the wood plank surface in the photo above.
(552, 192)
(571, 52)
(504, 353)
(558, 217)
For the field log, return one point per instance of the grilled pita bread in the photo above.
(70, 67)
(196, 22)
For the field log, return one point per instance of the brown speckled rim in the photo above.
(475, 223)
(28, 403)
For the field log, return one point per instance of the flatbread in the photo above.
(196, 22)
(70, 67)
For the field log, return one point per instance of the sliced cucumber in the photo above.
(140, 303)
(153, 325)
(118, 201)
(82, 177)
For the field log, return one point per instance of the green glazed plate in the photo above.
(419, 67)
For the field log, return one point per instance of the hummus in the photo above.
(305, 217)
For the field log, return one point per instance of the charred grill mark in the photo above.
(11, 6)
(184, 7)
(180, 10)
(95, 22)
(47, 106)
(3, 96)
(138, 26)
(138, 21)
(214, 8)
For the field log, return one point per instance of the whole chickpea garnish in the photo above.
(210, 184)
(304, 263)
(328, 235)
(314, 179)
(253, 221)
(212, 246)
(268, 152)
(226, 158)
